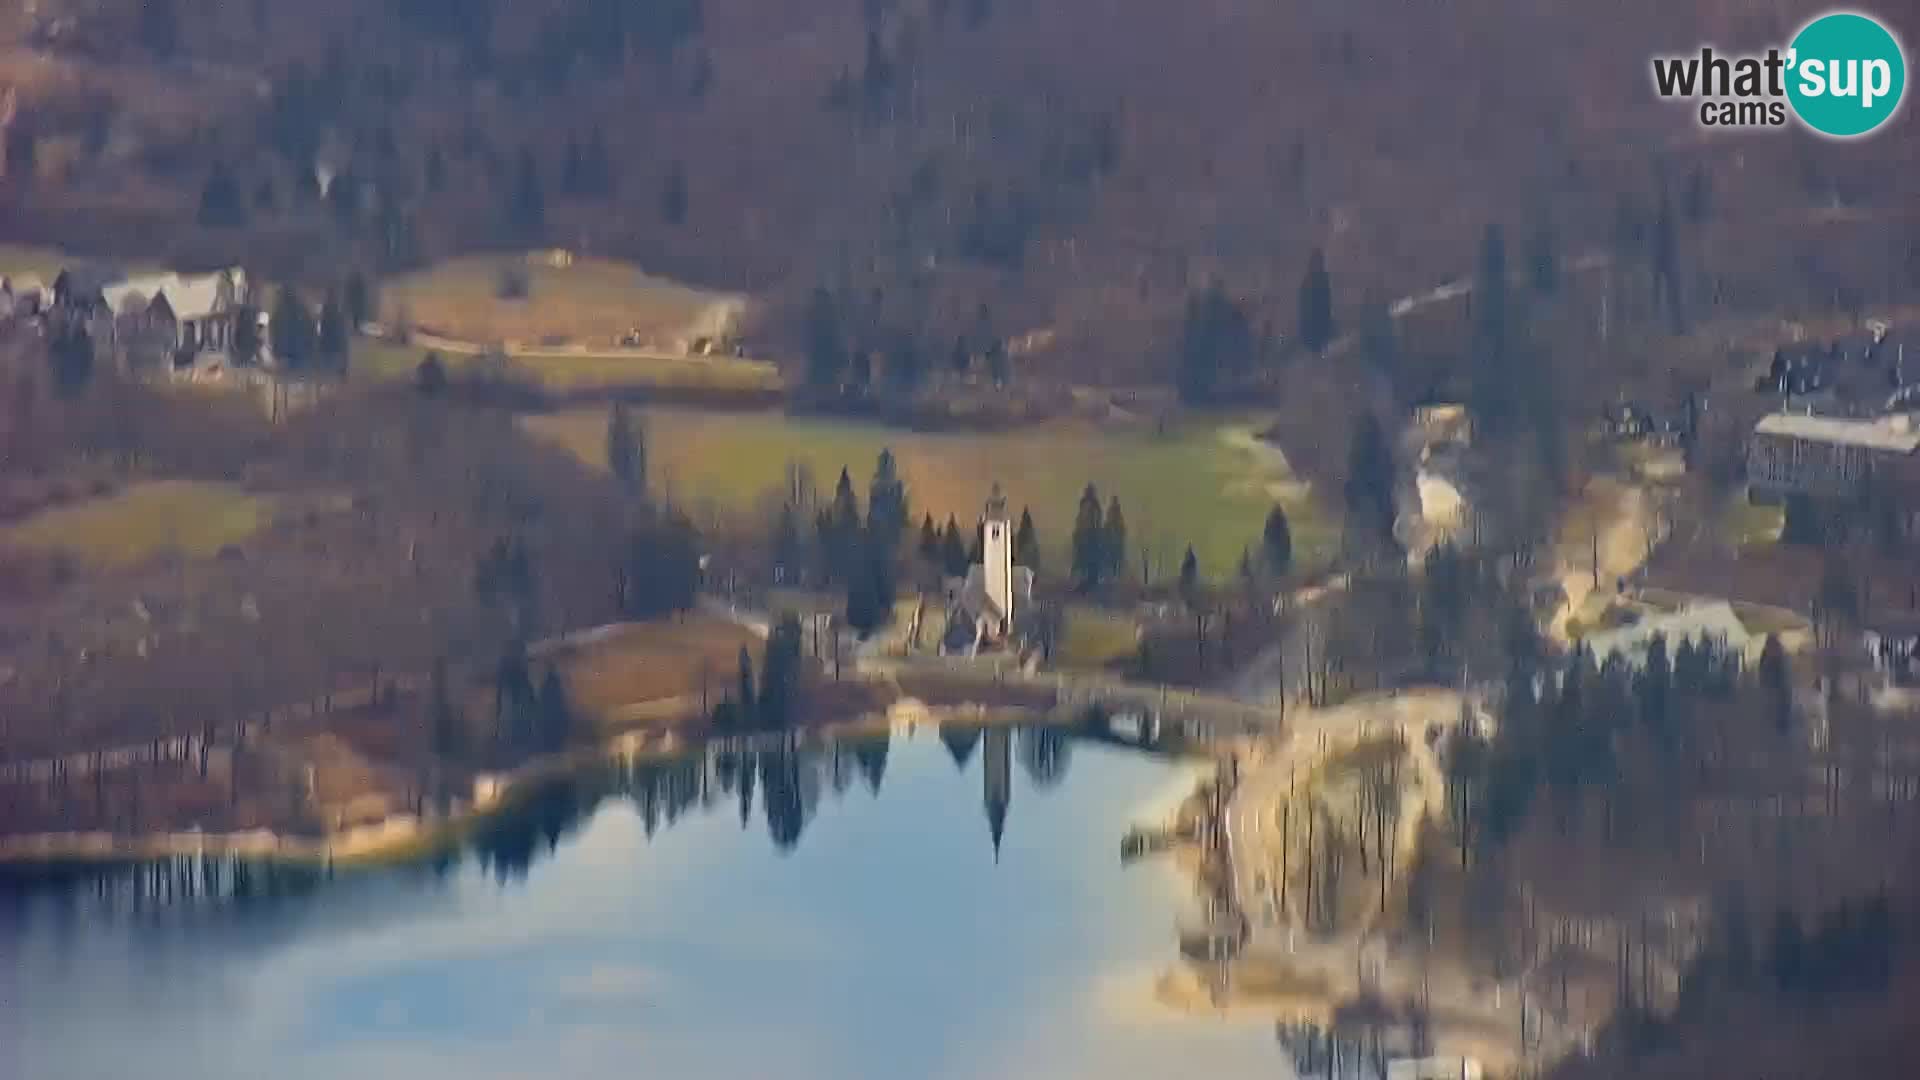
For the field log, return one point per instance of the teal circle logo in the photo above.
(1846, 75)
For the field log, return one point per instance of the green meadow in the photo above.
(137, 522)
(1205, 484)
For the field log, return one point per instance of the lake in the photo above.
(936, 904)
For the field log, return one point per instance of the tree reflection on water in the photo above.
(788, 775)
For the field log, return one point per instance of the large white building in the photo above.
(1713, 624)
(983, 606)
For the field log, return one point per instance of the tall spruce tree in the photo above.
(929, 544)
(953, 550)
(1089, 541)
(780, 674)
(1216, 342)
(839, 529)
(887, 509)
(443, 722)
(826, 346)
(1026, 543)
(626, 450)
(1113, 541)
(527, 207)
(292, 330)
(1543, 257)
(359, 300)
(555, 714)
(789, 553)
(1495, 401)
(334, 340)
(1316, 304)
(1276, 543)
(1369, 485)
(1190, 576)
(673, 195)
(1776, 678)
(746, 703)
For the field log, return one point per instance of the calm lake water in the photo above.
(829, 914)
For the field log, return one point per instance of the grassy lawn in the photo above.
(1093, 638)
(591, 301)
(656, 660)
(140, 521)
(1192, 485)
(580, 371)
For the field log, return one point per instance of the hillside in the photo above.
(947, 168)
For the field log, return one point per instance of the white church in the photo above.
(983, 608)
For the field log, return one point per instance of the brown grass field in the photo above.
(143, 520)
(569, 372)
(590, 301)
(648, 662)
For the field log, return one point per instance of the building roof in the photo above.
(1711, 621)
(1893, 434)
(190, 296)
(973, 599)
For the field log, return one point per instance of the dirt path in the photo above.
(1618, 514)
(1463, 287)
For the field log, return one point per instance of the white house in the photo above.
(1713, 623)
(179, 316)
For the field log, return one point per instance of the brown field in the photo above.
(567, 372)
(651, 662)
(591, 301)
(143, 520)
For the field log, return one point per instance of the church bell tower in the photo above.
(997, 555)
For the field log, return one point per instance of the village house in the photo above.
(1892, 644)
(1631, 421)
(179, 320)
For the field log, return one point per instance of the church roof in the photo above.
(973, 598)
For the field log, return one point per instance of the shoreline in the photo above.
(399, 838)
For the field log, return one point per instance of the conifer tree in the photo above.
(929, 544)
(1026, 543)
(953, 550)
(887, 510)
(746, 703)
(334, 338)
(1316, 304)
(1276, 543)
(626, 450)
(1089, 541)
(556, 714)
(1113, 541)
(292, 330)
